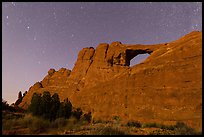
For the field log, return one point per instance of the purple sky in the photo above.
(38, 36)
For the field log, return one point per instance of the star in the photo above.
(68, 13)
(194, 26)
(7, 17)
(13, 3)
(54, 15)
(28, 27)
(82, 7)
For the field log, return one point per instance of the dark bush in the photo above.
(116, 118)
(55, 105)
(58, 123)
(65, 109)
(156, 125)
(87, 117)
(134, 124)
(36, 107)
(39, 125)
(182, 129)
(77, 113)
(7, 107)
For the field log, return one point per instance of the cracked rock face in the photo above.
(166, 87)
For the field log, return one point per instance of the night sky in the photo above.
(38, 36)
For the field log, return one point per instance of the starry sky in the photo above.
(37, 36)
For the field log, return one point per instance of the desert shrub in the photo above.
(9, 115)
(109, 131)
(97, 121)
(39, 125)
(182, 129)
(58, 123)
(6, 106)
(27, 120)
(167, 127)
(49, 107)
(72, 120)
(134, 124)
(77, 113)
(87, 117)
(117, 118)
(22, 122)
(9, 124)
(73, 123)
(179, 129)
(156, 125)
(65, 109)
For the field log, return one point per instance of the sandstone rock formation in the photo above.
(166, 87)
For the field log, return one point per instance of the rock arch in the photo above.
(131, 53)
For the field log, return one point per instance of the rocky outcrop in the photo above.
(56, 78)
(166, 87)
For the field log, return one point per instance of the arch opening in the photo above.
(138, 59)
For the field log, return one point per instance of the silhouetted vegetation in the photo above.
(35, 106)
(116, 118)
(49, 107)
(182, 129)
(77, 113)
(148, 125)
(134, 124)
(65, 109)
(7, 107)
(55, 105)
(87, 117)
